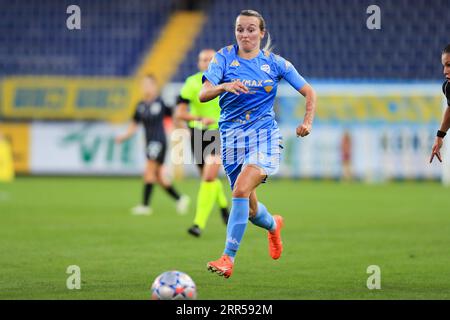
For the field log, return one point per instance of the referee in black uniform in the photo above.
(445, 124)
(151, 112)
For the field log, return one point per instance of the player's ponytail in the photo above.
(268, 46)
(262, 26)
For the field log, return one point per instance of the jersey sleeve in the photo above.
(216, 69)
(167, 111)
(180, 99)
(446, 91)
(137, 115)
(288, 72)
(186, 91)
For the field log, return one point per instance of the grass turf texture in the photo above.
(332, 233)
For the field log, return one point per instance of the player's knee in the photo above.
(209, 172)
(150, 178)
(160, 179)
(240, 192)
(209, 178)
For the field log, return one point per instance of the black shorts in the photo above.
(156, 151)
(204, 143)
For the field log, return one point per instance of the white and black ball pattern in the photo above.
(173, 285)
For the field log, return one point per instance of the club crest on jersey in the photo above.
(155, 108)
(265, 68)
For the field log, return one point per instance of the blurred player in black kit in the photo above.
(151, 112)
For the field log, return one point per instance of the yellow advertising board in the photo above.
(389, 108)
(68, 98)
(18, 136)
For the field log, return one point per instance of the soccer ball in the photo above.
(173, 285)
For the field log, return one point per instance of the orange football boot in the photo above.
(222, 266)
(275, 243)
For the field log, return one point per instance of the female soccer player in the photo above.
(246, 79)
(150, 112)
(445, 124)
(203, 120)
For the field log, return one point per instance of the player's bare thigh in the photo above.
(150, 174)
(161, 175)
(211, 167)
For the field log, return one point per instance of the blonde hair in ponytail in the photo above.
(268, 46)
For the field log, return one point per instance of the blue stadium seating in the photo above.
(329, 40)
(114, 34)
(324, 39)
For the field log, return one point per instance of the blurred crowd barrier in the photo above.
(372, 132)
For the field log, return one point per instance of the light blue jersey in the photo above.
(261, 75)
(247, 125)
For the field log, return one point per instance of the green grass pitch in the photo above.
(333, 232)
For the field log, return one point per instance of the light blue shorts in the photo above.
(266, 158)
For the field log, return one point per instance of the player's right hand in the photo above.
(118, 140)
(207, 121)
(436, 150)
(235, 87)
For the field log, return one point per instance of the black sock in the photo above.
(225, 214)
(170, 190)
(148, 187)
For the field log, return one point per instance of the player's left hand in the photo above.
(303, 130)
(118, 139)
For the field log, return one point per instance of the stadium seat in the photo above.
(329, 39)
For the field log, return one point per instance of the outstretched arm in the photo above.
(438, 142)
(209, 91)
(182, 113)
(130, 131)
(310, 95)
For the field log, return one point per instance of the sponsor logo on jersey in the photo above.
(268, 88)
(250, 82)
(234, 63)
(256, 84)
